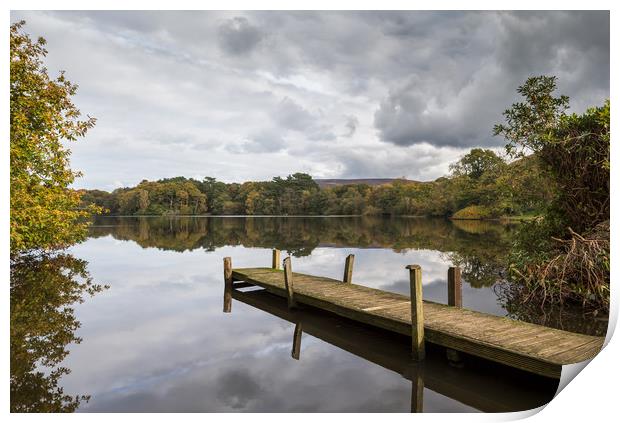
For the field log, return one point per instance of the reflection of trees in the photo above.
(478, 247)
(483, 259)
(479, 270)
(43, 324)
(569, 318)
(301, 235)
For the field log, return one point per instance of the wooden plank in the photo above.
(582, 353)
(391, 304)
(554, 349)
(530, 337)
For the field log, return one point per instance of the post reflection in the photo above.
(295, 351)
(417, 387)
(484, 385)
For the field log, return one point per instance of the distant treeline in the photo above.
(481, 185)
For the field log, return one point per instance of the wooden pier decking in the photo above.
(526, 346)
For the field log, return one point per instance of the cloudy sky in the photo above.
(252, 95)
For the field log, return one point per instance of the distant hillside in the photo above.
(325, 183)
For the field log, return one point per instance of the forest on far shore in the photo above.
(481, 185)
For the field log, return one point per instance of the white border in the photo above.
(591, 396)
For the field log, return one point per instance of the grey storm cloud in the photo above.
(251, 95)
(238, 36)
(430, 107)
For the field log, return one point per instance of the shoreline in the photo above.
(493, 219)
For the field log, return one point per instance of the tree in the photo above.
(45, 212)
(566, 255)
(573, 149)
(530, 124)
(475, 163)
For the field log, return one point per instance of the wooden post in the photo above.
(275, 259)
(417, 312)
(296, 342)
(228, 282)
(455, 299)
(348, 269)
(288, 282)
(454, 358)
(455, 288)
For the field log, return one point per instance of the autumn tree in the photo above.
(45, 212)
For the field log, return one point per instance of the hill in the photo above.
(325, 183)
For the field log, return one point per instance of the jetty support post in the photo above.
(417, 313)
(455, 288)
(348, 269)
(228, 284)
(455, 299)
(295, 352)
(288, 282)
(275, 259)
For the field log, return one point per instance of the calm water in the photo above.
(155, 339)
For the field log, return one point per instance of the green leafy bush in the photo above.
(473, 213)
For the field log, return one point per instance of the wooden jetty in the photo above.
(522, 345)
(485, 386)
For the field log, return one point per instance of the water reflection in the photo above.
(478, 247)
(43, 290)
(482, 385)
(565, 318)
(161, 343)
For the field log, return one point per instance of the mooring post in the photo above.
(288, 282)
(455, 299)
(296, 341)
(455, 289)
(417, 312)
(228, 284)
(275, 259)
(348, 269)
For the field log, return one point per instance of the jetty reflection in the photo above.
(481, 384)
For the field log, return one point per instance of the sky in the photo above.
(252, 95)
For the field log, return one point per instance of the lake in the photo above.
(155, 339)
